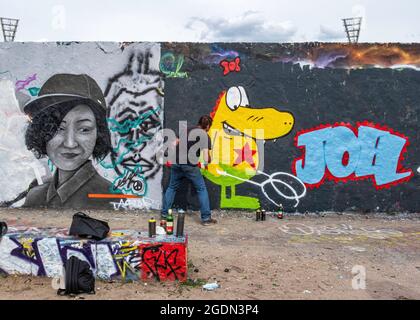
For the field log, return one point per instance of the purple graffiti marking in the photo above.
(21, 84)
(218, 54)
(29, 254)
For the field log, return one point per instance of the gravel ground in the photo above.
(308, 256)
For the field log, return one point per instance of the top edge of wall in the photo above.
(218, 42)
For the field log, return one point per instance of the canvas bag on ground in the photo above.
(86, 227)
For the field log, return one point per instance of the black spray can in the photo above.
(258, 215)
(262, 215)
(152, 227)
(180, 224)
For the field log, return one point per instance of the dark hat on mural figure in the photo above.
(64, 87)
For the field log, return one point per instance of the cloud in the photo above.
(250, 27)
(328, 34)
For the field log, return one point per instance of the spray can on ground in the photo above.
(163, 223)
(262, 215)
(280, 212)
(180, 224)
(170, 223)
(258, 215)
(152, 227)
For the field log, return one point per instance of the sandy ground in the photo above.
(298, 257)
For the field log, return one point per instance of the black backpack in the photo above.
(78, 277)
(84, 226)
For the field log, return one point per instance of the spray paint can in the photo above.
(258, 215)
(280, 212)
(163, 224)
(262, 215)
(152, 227)
(180, 224)
(170, 223)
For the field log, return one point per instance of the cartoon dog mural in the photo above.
(234, 133)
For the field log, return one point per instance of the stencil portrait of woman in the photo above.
(68, 125)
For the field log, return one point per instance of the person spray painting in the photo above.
(193, 142)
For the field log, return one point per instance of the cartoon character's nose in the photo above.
(254, 118)
(274, 123)
(288, 122)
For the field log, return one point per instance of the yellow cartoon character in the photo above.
(234, 133)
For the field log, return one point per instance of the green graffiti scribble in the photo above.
(121, 156)
(127, 125)
(128, 142)
(125, 128)
(51, 165)
(171, 66)
(34, 91)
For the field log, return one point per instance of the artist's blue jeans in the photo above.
(179, 171)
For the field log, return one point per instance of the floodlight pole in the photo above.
(352, 27)
(9, 27)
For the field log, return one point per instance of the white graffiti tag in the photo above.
(300, 229)
(138, 203)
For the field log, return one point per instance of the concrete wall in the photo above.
(133, 89)
(340, 121)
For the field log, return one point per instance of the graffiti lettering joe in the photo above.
(341, 152)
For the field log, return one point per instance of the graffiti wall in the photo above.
(78, 125)
(311, 126)
(338, 123)
(125, 255)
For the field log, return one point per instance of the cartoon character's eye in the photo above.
(233, 98)
(244, 97)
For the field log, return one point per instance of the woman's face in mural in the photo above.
(75, 139)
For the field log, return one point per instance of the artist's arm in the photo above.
(175, 143)
(212, 168)
(170, 151)
(206, 155)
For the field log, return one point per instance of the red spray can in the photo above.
(280, 212)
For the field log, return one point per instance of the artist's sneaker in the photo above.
(209, 222)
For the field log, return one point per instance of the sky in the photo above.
(212, 20)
